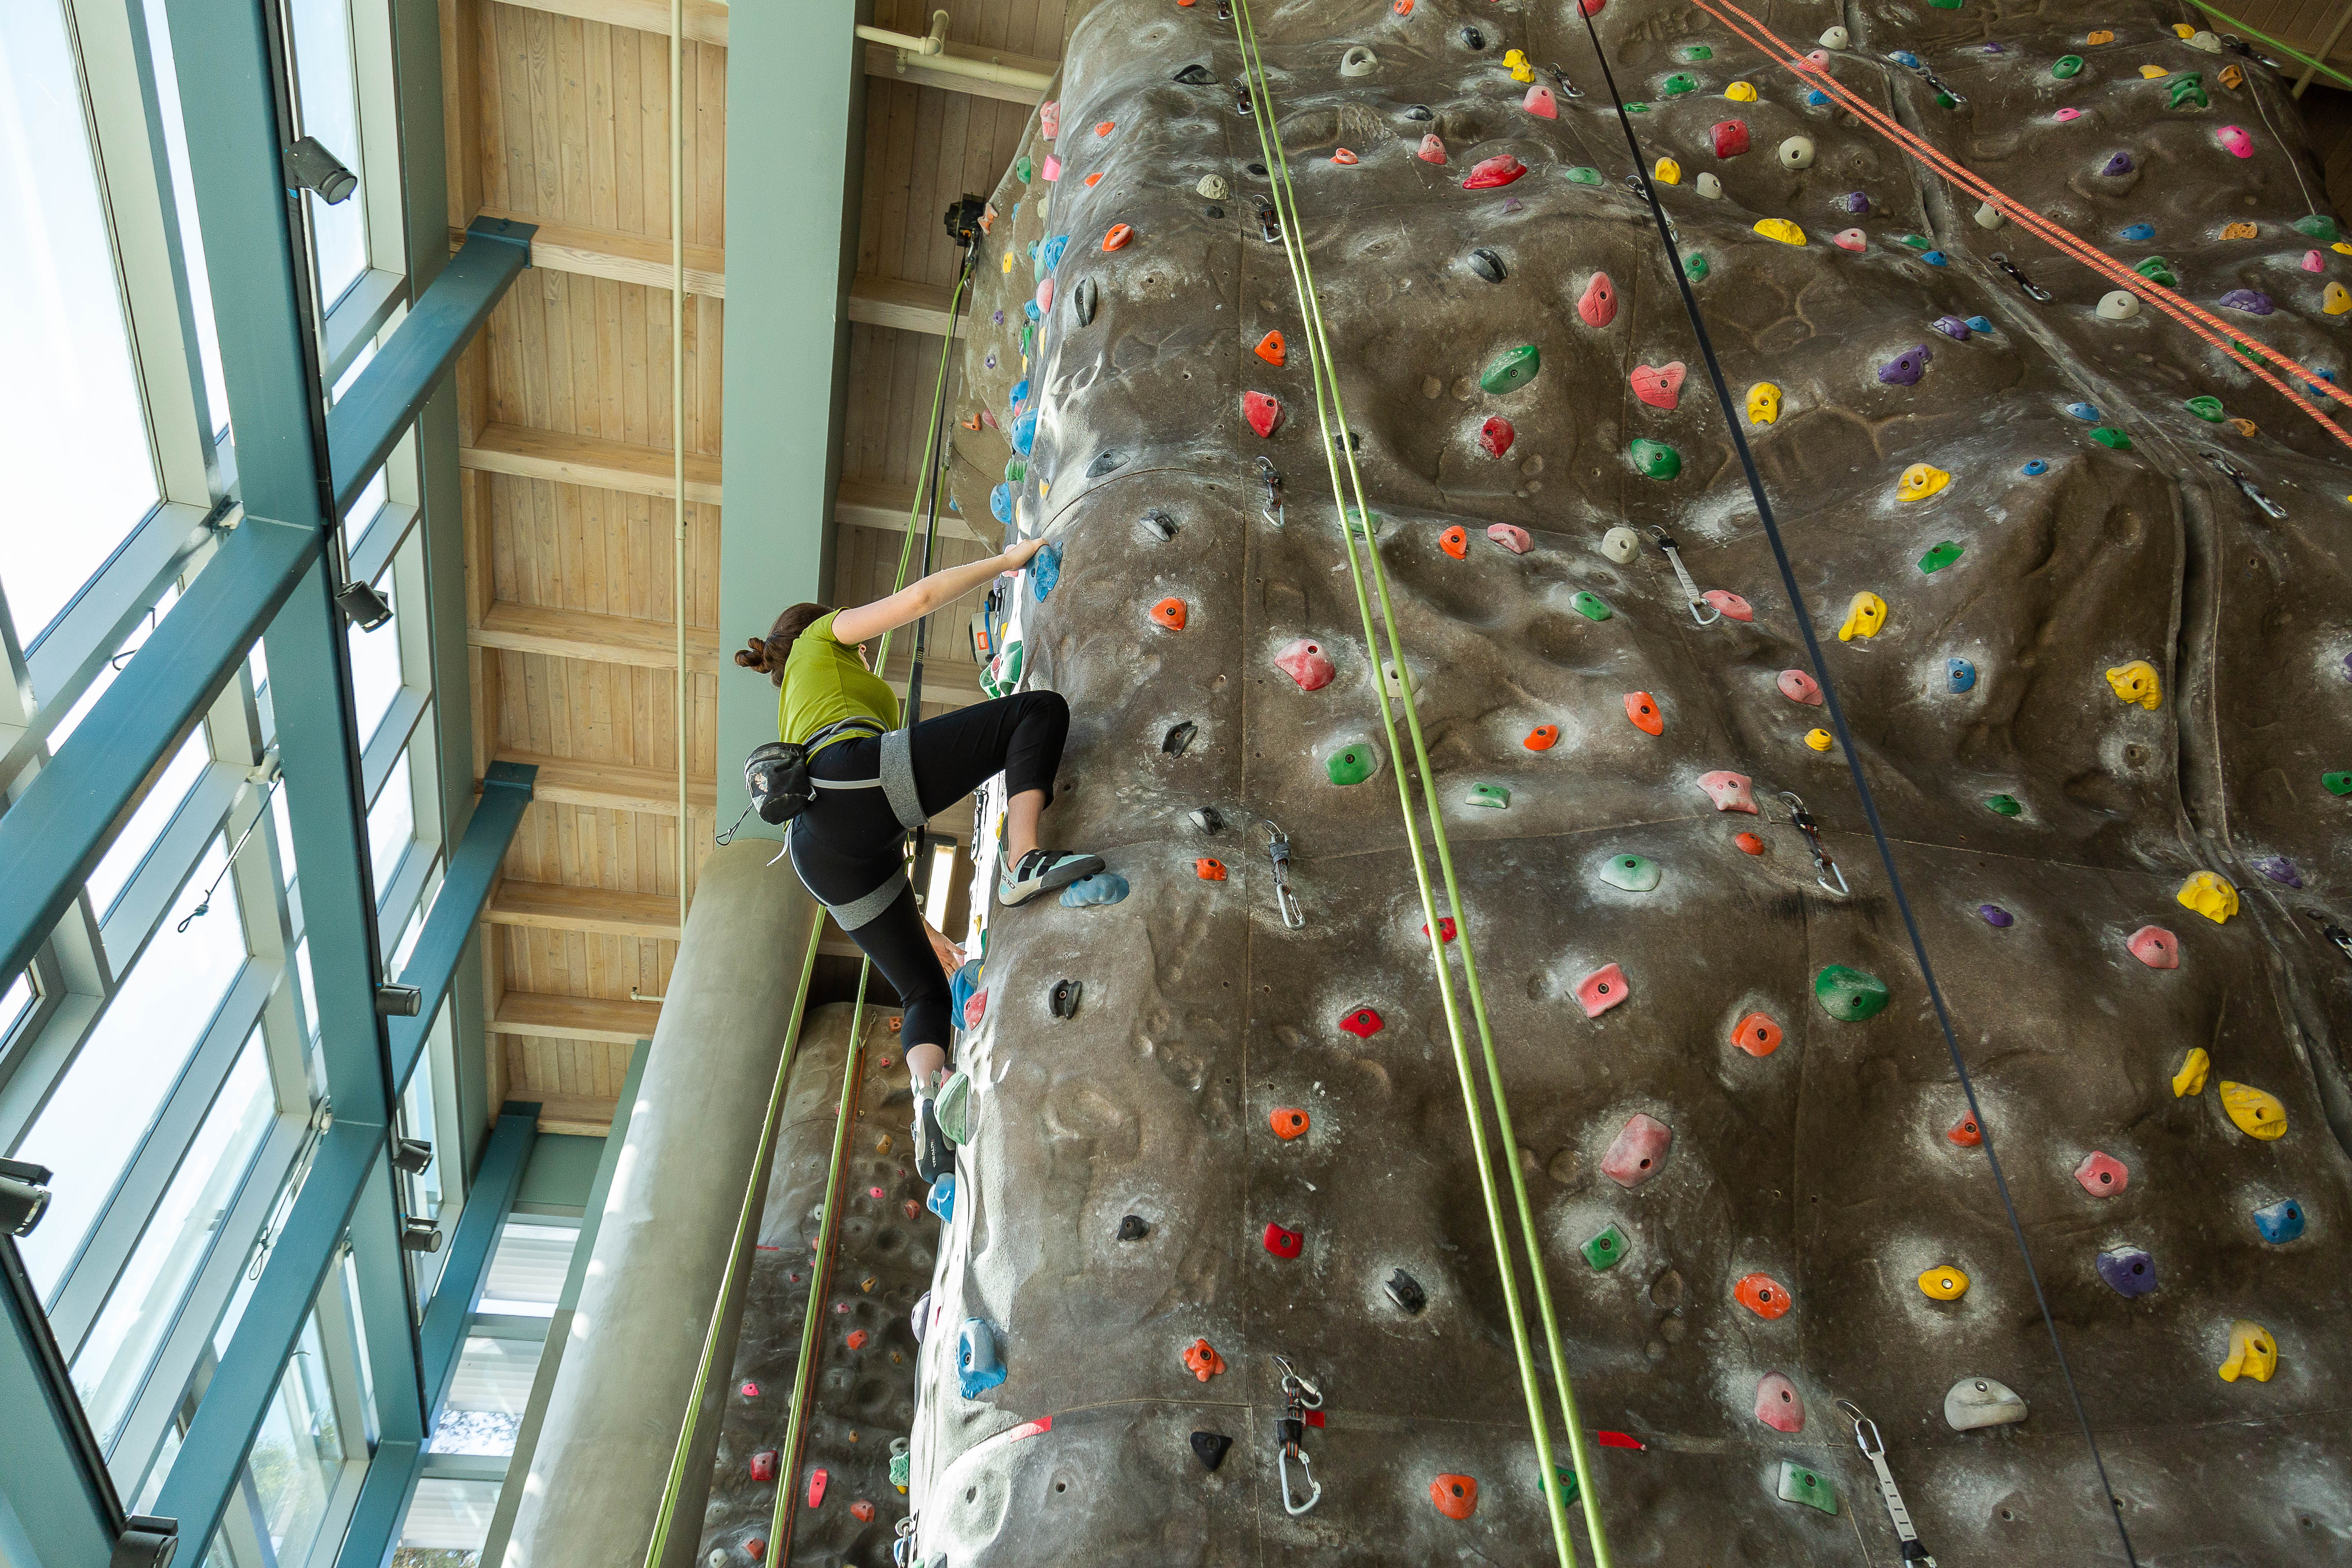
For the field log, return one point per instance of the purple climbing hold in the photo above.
(1996, 917)
(2129, 1270)
(1953, 327)
(1856, 202)
(1906, 368)
(2281, 870)
(2252, 301)
(2121, 163)
(1639, 1152)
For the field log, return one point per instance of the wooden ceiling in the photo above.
(557, 113)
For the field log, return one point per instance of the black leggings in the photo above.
(849, 842)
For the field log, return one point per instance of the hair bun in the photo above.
(754, 656)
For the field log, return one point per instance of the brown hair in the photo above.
(767, 654)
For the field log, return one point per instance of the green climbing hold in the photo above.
(2066, 66)
(1352, 763)
(1944, 99)
(1676, 85)
(1605, 1251)
(902, 1468)
(2318, 226)
(1511, 371)
(1592, 606)
(1948, 4)
(1015, 471)
(2336, 783)
(1695, 266)
(1637, 109)
(1848, 994)
(1580, 175)
(1013, 652)
(1567, 1479)
(1028, 337)
(1943, 555)
(1356, 526)
(1025, 168)
(2188, 88)
(2156, 270)
(1916, 241)
(2003, 805)
(1494, 798)
(1654, 458)
(2209, 409)
(1634, 873)
(1696, 53)
(2107, 436)
(1809, 1488)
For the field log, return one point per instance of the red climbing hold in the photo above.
(1798, 687)
(975, 1008)
(1598, 304)
(1730, 138)
(1304, 662)
(757, 1548)
(1777, 1405)
(1432, 150)
(2156, 947)
(856, 1340)
(1104, 128)
(1169, 613)
(1496, 435)
(1263, 413)
(1119, 235)
(1729, 606)
(1967, 1133)
(1659, 385)
(1542, 738)
(1343, 157)
(1510, 536)
(1456, 542)
(1603, 989)
(1540, 103)
(1209, 870)
(1749, 844)
(2103, 1175)
(763, 1465)
(1283, 1243)
(1456, 1496)
(862, 1512)
(1757, 1034)
(1621, 1440)
(1592, 7)
(1730, 791)
(1271, 349)
(1363, 1023)
(1289, 1122)
(1643, 709)
(1763, 1295)
(1488, 173)
(1444, 928)
(817, 1477)
(1639, 1151)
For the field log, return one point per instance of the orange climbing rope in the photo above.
(2203, 324)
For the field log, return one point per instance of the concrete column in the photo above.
(596, 1480)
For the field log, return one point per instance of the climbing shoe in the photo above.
(932, 1156)
(1043, 871)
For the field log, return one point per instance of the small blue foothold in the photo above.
(2034, 468)
(1046, 570)
(1020, 391)
(961, 984)
(977, 1367)
(1979, 323)
(1033, 311)
(2280, 1221)
(1961, 673)
(943, 1199)
(1102, 888)
(2138, 231)
(1815, 98)
(1935, 259)
(2085, 411)
(999, 503)
(1024, 432)
(1052, 254)
(1905, 58)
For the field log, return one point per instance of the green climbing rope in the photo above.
(2288, 49)
(1331, 415)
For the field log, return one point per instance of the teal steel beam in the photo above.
(466, 885)
(369, 419)
(60, 1510)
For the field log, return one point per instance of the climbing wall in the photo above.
(2099, 682)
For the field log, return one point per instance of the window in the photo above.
(329, 97)
(486, 1396)
(73, 438)
(375, 665)
(123, 857)
(15, 1001)
(447, 1522)
(297, 1458)
(392, 823)
(184, 200)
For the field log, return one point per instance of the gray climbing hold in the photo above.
(1109, 462)
(1082, 300)
(1975, 1402)
(1359, 61)
(1622, 545)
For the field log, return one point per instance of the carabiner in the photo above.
(902, 1547)
(1278, 849)
(2245, 483)
(1874, 1448)
(1567, 89)
(1823, 867)
(1272, 511)
(1682, 574)
(2034, 292)
(1313, 1488)
(1294, 1388)
(1269, 225)
(2332, 931)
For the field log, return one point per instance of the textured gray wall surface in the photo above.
(1825, 1165)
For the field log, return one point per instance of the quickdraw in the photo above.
(1945, 95)
(1269, 225)
(1567, 89)
(1298, 1397)
(2332, 931)
(1274, 510)
(1874, 1448)
(1278, 849)
(1682, 574)
(2033, 291)
(2245, 483)
(1823, 867)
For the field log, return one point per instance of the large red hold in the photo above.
(1305, 662)
(1283, 1243)
(1639, 1151)
(1763, 1295)
(1598, 305)
(1498, 170)
(1496, 435)
(1263, 412)
(1603, 989)
(1730, 138)
(1362, 1023)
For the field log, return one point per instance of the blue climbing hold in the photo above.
(2035, 468)
(960, 986)
(1020, 391)
(1046, 570)
(2086, 412)
(1816, 99)
(978, 1369)
(1035, 311)
(943, 1199)
(2137, 232)
(2280, 1221)
(1050, 256)
(999, 503)
(1025, 433)
(1905, 58)
(1961, 674)
(1935, 259)
(1979, 323)
(1102, 888)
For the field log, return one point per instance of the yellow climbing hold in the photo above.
(2253, 1353)
(2191, 1079)
(1008, 262)
(1944, 1283)
(2183, 30)
(2149, 73)
(1781, 229)
(2341, 249)
(1668, 171)
(1520, 71)
(1921, 480)
(2102, 36)
(1763, 403)
(1819, 740)
(1865, 618)
(2258, 1114)
(2334, 299)
(1740, 93)
(2136, 682)
(2210, 895)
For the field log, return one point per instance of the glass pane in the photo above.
(391, 823)
(73, 438)
(282, 826)
(309, 997)
(375, 665)
(526, 1275)
(184, 198)
(103, 1105)
(175, 1243)
(300, 1453)
(447, 1522)
(106, 672)
(487, 1397)
(330, 111)
(15, 1001)
(123, 857)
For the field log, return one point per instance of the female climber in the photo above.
(875, 780)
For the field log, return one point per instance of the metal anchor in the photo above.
(1874, 1448)
(2332, 931)
(2033, 292)
(2245, 483)
(1823, 867)
(1269, 224)
(2239, 45)
(1273, 510)
(1682, 575)
(1278, 849)
(1567, 89)
(1298, 1397)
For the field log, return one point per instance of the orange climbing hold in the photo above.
(1105, 127)
(1403, 7)
(1967, 1133)
(1456, 542)
(1643, 709)
(1271, 349)
(1542, 738)
(1757, 1034)
(1749, 844)
(1263, 412)
(1202, 1359)
(1763, 1295)
(1456, 1496)
(1169, 613)
(1289, 1122)
(856, 1340)
(1343, 157)
(1120, 233)
(1092, 181)
(1209, 870)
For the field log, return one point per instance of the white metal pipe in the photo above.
(929, 53)
(677, 419)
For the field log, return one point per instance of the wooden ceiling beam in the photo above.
(862, 504)
(587, 460)
(599, 911)
(610, 786)
(575, 1115)
(602, 639)
(882, 60)
(907, 307)
(608, 253)
(705, 20)
(575, 1017)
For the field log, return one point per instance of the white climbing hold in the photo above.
(2120, 305)
(1621, 545)
(1836, 38)
(1797, 153)
(1708, 186)
(1359, 61)
(1988, 216)
(2210, 43)
(1214, 187)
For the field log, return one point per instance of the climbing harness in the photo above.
(1682, 574)
(2245, 483)
(1874, 1448)
(1272, 478)
(1298, 1397)
(2033, 291)
(1331, 425)
(1823, 867)
(1868, 801)
(1278, 849)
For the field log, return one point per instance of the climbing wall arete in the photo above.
(2079, 580)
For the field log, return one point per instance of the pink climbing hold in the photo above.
(1798, 687)
(1850, 239)
(1045, 294)
(1053, 169)
(1640, 1151)
(1730, 138)
(2155, 946)
(1432, 149)
(1730, 791)
(1603, 989)
(1598, 305)
(1263, 413)
(2311, 262)
(2064, 115)
(2103, 1175)
(976, 1009)
(1817, 56)
(1362, 1023)
(1510, 537)
(1540, 103)
(1778, 1403)
(1304, 662)
(1729, 604)
(1489, 172)
(1049, 120)
(2235, 139)
(1496, 435)
(1659, 385)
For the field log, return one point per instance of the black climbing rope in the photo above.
(1853, 765)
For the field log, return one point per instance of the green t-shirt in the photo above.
(825, 682)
